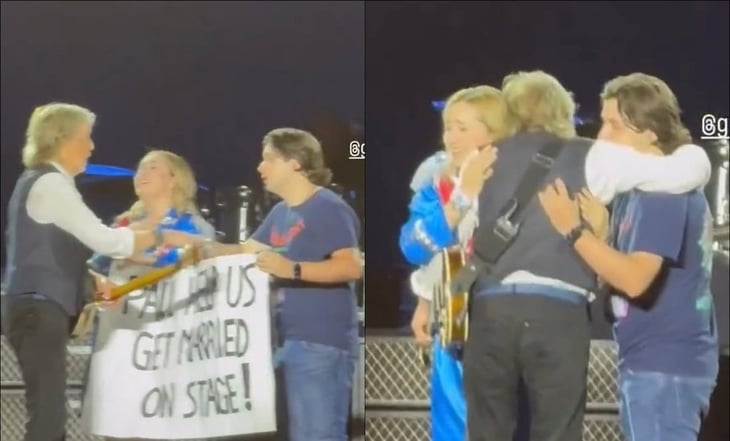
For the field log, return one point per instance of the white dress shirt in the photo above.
(54, 199)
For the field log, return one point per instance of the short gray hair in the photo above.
(49, 126)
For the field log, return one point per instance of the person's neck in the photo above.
(651, 150)
(157, 209)
(298, 192)
(69, 170)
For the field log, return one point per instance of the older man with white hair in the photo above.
(50, 232)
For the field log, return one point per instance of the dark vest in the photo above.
(42, 259)
(538, 248)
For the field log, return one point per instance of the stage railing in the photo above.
(397, 390)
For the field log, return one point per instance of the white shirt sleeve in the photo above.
(419, 288)
(613, 168)
(53, 199)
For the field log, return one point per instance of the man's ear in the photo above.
(295, 165)
(651, 137)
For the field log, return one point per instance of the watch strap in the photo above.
(575, 234)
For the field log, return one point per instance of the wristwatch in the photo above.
(575, 234)
(297, 271)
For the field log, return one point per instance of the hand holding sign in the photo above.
(275, 264)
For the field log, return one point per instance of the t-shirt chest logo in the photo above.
(277, 238)
(625, 217)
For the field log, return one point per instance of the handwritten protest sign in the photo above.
(187, 359)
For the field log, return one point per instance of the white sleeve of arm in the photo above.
(612, 169)
(54, 200)
(419, 286)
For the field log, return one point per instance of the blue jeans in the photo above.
(663, 407)
(318, 383)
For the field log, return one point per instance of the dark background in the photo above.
(205, 80)
(418, 52)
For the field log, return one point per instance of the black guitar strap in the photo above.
(493, 239)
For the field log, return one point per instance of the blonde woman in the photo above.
(473, 119)
(50, 232)
(166, 188)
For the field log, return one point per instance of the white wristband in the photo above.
(461, 201)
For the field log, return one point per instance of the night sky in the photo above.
(208, 80)
(204, 80)
(417, 53)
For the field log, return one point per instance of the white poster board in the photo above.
(187, 359)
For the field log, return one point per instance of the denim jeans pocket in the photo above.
(318, 350)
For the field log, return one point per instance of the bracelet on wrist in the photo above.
(461, 201)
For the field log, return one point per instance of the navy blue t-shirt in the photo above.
(311, 232)
(670, 328)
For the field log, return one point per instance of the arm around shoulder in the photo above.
(613, 168)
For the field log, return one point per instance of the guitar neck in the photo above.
(188, 257)
(142, 281)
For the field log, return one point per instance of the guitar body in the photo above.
(450, 308)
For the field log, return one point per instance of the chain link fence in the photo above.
(415, 426)
(396, 377)
(397, 380)
(13, 416)
(12, 399)
(77, 357)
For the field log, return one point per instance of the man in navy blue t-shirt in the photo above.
(668, 349)
(659, 267)
(308, 243)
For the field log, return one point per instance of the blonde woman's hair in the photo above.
(539, 103)
(490, 103)
(48, 127)
(184, 190)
